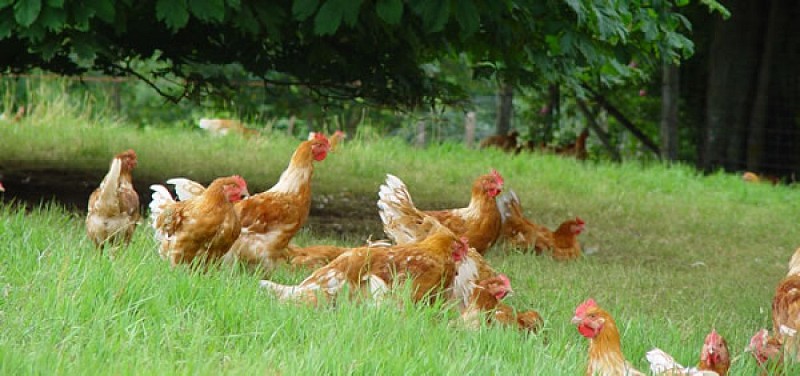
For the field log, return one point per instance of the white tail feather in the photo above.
(161, 198)
(394, 205)
(186, 189)
(663, 362)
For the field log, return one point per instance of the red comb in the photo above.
(579, 221)
(497, 178)
(320, 137)
(240, 181)
(585, 306)
(504, 278)
(713, 337)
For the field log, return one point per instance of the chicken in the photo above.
(479, 222)
(485, 298)
(521, 233)
(222, 127)
(316, 256)
(605, 349)
(576, 149)
(786, 310)
(752, 177)
(530, 321)
(270, 219)
(767, 351)
(505, 142)
(429, 265)
(335, 139)
(714, 360)
(204, 226)
(113, 211)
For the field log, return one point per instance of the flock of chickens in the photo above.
(438, 254)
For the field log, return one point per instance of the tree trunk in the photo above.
(758, 114)
(553, 111)
(670, 95)
(505, 99)
(733, 61)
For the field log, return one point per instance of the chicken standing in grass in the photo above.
(270, 219)
(479, 222)
(714, 360)
(204, 226)
(114, 206)
(429, 265)
(605, 348)
(521, 233)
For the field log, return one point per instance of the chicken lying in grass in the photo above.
(114, 206)
(429, 265)
(479, 222)
(767, 351)
(714, 360)
(784, 342)
(605, 348)
(316, 256)
(204, 226)
(486, 296)
(521, 233)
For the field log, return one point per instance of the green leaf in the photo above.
(6, 24)
(105, 10)
(235, 4)
(53, 19)
(350, 10)
(390, 11)
(434, 13)
(302, 9)
(246, 20)
(208, 10)
(81, 15)
(468, 16)
(328, 18)
(27, 11)
(332, 13)
(55, 3)
(5, 3)
(173, 12)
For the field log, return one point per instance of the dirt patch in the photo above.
(333, 215)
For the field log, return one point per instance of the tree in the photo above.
(341, 49)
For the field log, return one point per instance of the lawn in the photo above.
(674, 254)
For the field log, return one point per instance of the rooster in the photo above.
(205, 226)
(114, 205)
(479, 222)
(270, 219)
(605, 349)
(429, 265)
(335, 139)
(521, 233)
(714, 360)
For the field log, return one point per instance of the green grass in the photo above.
(676, 254)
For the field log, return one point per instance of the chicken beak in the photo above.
(576, 320)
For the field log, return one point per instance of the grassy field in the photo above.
(674, 254)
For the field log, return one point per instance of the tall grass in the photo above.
(675, 254)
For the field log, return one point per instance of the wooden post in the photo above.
(470, 123)
(420, 138)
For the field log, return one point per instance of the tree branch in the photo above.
(591, 120)
(617, 114)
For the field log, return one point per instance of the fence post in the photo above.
(469, 129)
(420, 138)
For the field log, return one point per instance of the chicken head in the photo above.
(715, 350)
(492, 183)
(587, 319)
(320, 146)
(237, 190)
